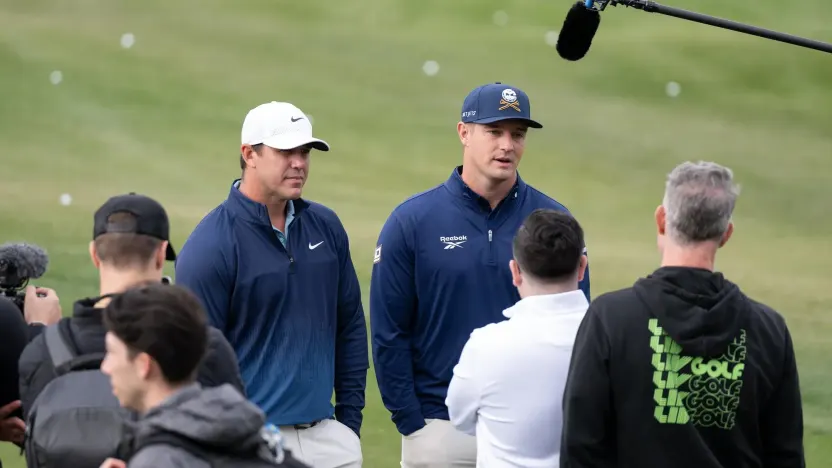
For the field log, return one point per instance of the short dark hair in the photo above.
(165, 321)
(549, 245)
(125, 249)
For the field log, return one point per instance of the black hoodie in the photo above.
(682, 370)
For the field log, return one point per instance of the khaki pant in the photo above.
(439, 445)
(329, 444)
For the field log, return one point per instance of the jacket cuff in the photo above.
(408, 422)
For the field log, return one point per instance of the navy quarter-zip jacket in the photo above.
(293, 314)
(440, 271)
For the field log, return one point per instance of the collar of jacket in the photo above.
(253, 211)
(458, 188)
(86, 307)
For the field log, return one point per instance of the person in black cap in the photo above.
(441, 270)
(131, 242)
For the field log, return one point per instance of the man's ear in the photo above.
(94, 255)
(161, 253)
(661, 220)
(516, 276)
(463, 131)
(143, 364)
(728, 233)
(582, 267)
(248, 154)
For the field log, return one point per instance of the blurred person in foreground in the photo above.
(439, 273)
(682, 369)
(274, 273)
(41, 308)
(156, 339)
(507, 389)
(130, 246)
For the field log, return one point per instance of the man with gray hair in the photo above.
(682, 369)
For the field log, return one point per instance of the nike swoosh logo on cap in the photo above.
(295, 119)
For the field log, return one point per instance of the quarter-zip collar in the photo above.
(460, 189)
(253, 211)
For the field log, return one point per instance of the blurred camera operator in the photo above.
(130, 246)
(41, 308)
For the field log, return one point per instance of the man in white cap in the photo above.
(274, 273)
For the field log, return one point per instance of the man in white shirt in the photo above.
(507, 388)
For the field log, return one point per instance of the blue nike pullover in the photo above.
(440, 271)
(293, 314)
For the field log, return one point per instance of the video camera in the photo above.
(19, 262)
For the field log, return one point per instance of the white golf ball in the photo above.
(551, 38)
(56, 77)
(430, 68)
(127, 40)
(66, 199)
(673, 89)
(500, 18)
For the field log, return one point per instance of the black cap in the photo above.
(151, 218)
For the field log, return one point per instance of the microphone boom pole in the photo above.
(653, 7)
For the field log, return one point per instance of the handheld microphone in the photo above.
(583, 18)
(18, 263)
(577, 32)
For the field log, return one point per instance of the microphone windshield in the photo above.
(22, 261)
(579, 28)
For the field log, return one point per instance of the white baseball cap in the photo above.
(280, 125)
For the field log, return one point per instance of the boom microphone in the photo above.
(577, 32)
(579, 26)
(18, 263)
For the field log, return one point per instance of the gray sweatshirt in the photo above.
(218, 417)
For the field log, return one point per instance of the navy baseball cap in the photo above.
(495, 102)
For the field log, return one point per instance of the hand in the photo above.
(113, 463)
(41, 306)
(11, 429)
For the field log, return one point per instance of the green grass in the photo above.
(164, 117)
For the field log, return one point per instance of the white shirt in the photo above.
(507, 388)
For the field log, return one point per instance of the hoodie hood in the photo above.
(218, 417)
(700, 309)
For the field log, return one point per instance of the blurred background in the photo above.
(101, 97)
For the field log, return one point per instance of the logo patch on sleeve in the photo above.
(377, 256)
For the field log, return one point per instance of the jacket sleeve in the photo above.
(465, 389)
(221, 365)
(782, 419)
(35, 372)
(392, 307)
(14, 335)
(203, 268)
(588, 438)
(351, 353)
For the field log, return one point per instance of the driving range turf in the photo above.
(163, 118)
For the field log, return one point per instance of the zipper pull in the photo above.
(489, 235)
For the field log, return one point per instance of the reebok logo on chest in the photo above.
(453, 242)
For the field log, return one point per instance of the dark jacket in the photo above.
(85, 331)
(682, 370)
(14, 335)
(216, 421)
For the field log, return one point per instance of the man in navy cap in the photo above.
(441, 270)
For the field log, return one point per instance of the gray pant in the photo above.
(329, 444)
(439, 445)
